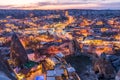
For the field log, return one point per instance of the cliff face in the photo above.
(117, 77)
(18, 53)
(104, 69)
(74, 47)
(5, 69)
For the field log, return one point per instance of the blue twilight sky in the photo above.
(59, 4)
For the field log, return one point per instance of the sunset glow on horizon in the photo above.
(59, 4)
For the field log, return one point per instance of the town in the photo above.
(68, 44)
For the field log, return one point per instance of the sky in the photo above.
(59, 4)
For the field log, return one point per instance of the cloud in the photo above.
(115, 5)
(68, 4)
(49, 3)
(5, 6)
(58, 6)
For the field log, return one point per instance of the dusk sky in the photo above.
(59, 4)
